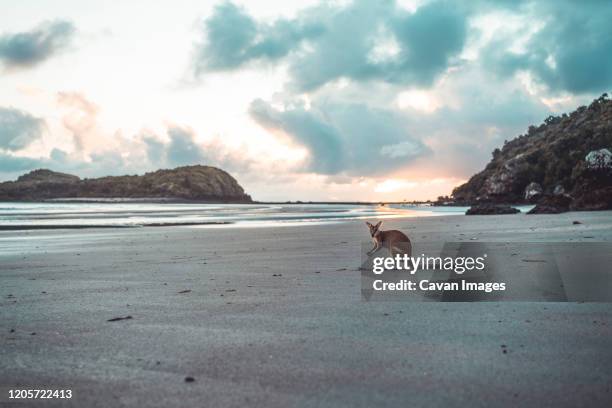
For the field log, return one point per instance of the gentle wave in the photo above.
(90, 215)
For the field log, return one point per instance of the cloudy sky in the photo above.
(310, 100)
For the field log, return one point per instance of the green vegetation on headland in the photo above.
(563, 164)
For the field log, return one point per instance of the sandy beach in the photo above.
(273, 317)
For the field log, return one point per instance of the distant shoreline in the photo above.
(153, 200)
(169, 200)
(90, 226)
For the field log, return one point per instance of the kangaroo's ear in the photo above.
(368, 224)
(378, 224)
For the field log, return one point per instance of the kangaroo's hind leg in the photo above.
(404, 248)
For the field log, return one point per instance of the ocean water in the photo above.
(77, 215)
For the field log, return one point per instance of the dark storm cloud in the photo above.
(572, 52)
(58, 159)
(99, 164)
(10, 163)
(180, 150)
(18, 129)
(307, 128)
(351, 138)
(146, 152)
(183, 149)
(233, 38)
(155, 149)
(28, 48)
(326, 43)
(343, 138)
(372, 40)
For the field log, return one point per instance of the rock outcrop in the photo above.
(552, 204)
(533, 191)
(599, 160)
(491, 209)
(197, 183)
(593, 200)
(566, 155)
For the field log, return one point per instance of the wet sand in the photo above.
(273, 317)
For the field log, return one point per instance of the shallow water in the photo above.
(75, 215)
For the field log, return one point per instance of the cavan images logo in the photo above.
(410, 264)
(491, 271)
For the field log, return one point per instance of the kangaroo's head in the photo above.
(374, 228)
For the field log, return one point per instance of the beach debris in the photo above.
(185, 291)
(341, 269)
(230, 290)
(116, 319)
(12, 330)
(277, 274)
(33, 334)
(533, 260)
(189, 379)
(576, 223)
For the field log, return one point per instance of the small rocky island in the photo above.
(564, 164)
(189, 183)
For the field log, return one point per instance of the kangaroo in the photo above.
(393, 240)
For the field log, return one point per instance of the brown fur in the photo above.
(395, 241)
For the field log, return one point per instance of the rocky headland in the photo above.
(192, 183)
(563, 164)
